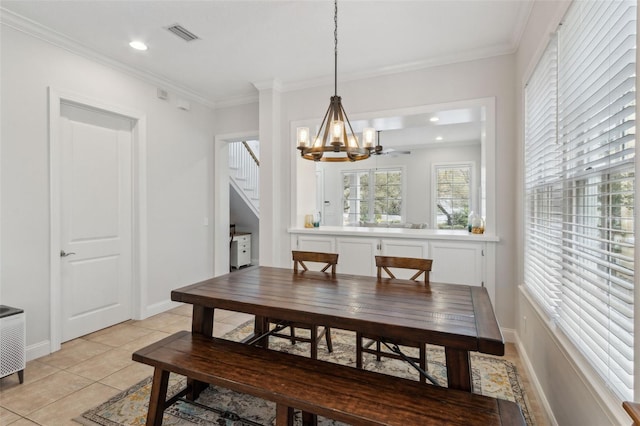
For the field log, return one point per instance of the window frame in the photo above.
(473, 200)
(371, 198)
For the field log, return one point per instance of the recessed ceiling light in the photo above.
(434, 119)
(439, 138)
(138, 45)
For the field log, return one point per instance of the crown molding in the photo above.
(521, 23)
(268, 84)
(237, 101)
(57, 39)
(472, 55)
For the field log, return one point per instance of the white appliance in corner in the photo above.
(13, 337)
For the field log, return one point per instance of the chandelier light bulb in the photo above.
(368, 137)
(337, 129)
(303, 136)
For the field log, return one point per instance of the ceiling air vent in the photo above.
(182, 32)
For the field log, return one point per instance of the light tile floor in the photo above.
(89, 370)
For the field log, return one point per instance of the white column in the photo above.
(274, 163)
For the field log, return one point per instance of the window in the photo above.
(580, 185)
(372, 196)
(452, 204)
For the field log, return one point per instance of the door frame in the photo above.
(139, 204)
(220, 198)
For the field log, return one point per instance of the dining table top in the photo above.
(458, 317)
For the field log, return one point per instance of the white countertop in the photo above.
(427, 234)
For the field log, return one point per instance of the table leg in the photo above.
(201, 323)
(458, 369)
(261, 326)
(202, 320)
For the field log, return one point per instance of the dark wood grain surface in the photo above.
(353, 396)
(458, 317)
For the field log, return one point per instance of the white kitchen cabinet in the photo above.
(456, 262)
(357, 255)
(320, 243)
(404, 248)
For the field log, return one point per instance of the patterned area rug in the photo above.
(492, 376)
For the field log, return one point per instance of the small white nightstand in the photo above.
(241, 250)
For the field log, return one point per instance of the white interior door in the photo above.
(96, 228)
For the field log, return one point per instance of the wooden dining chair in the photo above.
(327, 261)
(387, 264)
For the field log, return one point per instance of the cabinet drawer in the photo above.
(242, 239)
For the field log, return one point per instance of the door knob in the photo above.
(64, 254)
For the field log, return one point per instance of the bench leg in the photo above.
(158, 397)
(284, 415)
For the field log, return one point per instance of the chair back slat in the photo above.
(421, 266)
(329, 259)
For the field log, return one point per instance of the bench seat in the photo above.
(335, 391)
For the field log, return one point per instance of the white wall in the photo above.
(558, 372)
(179, 163)
(236, 119)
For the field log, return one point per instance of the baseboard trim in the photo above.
(38, 350)
(535, 383)
(159, 308)
(509, 335)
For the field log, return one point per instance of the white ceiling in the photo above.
(246, 43)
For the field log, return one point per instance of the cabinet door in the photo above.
(319, 243)
(404, 248)
(357, 256)
(457, 262)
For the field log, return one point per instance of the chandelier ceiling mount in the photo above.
(336, 137)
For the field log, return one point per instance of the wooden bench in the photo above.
(335, 391)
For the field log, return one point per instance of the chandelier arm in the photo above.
(324, 122)
(346, 118)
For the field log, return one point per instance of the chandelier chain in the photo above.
(335, 44)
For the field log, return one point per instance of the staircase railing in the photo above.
(244, 174)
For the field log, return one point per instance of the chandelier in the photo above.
(334, 137)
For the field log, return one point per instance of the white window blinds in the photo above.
(542, 183)
(580, 185)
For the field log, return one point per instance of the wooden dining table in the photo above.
(459, 318)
